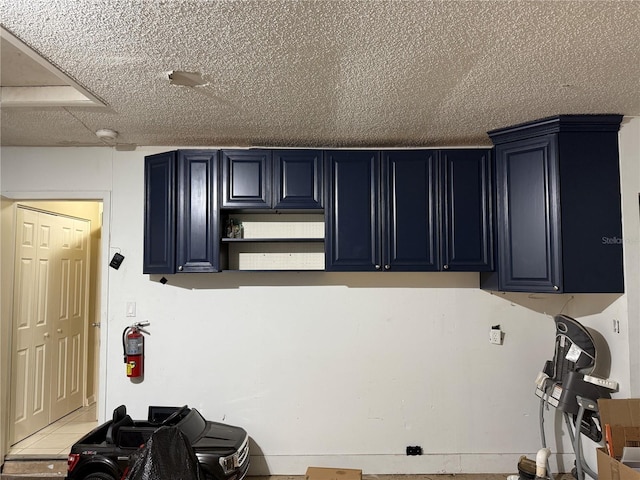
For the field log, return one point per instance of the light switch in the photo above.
(131, 309)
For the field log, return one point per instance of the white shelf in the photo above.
(277, 242)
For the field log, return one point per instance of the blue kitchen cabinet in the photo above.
(181, 228)
(410, 230)
(558, 206)
(198, 232)
(297, 179)
(272, 179)
(409, 210)
(352, 215)
(246, 179)
(467, 210)
(159, 213)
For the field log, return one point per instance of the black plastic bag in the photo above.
(166, 456)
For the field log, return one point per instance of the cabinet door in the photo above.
(159, 213)
(198, 235)
(410, 222)
(246, 179)
(467, 221)
(352, 210)
(297, 179)
(528, 224)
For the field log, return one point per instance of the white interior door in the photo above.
(32, 357)
(70, 322)
(50, 320)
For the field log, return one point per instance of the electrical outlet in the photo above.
(495, 336)
(416, 450)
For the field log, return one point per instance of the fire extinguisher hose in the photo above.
(124, 346)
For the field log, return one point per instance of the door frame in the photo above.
(7, 296)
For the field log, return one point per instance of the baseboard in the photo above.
(264, 465)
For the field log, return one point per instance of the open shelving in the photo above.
(274, 241)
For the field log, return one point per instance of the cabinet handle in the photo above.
(59, 330)
(556, 288)
(377, 267)
(446, 267)
(180, 267)
(387, 267)
(46, 335)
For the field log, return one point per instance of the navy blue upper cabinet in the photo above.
(297, 179)
(381, 211)
(159, 213)
(352, 217)
(272, 179)
(558, 206)
(181, 228)
(431, 210)
(529, 229)
(410, 210)
(467, 220)
(246, 179)
(197, 246)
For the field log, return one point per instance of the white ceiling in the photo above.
(313, 73)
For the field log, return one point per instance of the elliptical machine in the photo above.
(573, 382)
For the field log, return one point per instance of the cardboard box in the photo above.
(611, 469)
(623, 415)
(321, 473)
(631, 457)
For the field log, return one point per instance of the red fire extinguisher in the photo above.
(133, 347)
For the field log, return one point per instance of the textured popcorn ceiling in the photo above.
(324, 73)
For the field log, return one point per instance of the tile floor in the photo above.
(56, 439)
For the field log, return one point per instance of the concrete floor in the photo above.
(59, 471)
(459, 476)
(54, 442)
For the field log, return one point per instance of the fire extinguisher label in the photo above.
(134, 346)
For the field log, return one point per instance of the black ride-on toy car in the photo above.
(104, 453)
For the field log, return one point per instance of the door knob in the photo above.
(46, 335)
(59, 330)
(96, 324)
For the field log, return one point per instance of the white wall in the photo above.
(630, 173)
(340, 370)
(6, 303)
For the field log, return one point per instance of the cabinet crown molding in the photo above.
(559, 123)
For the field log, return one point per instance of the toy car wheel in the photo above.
(98, 476)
